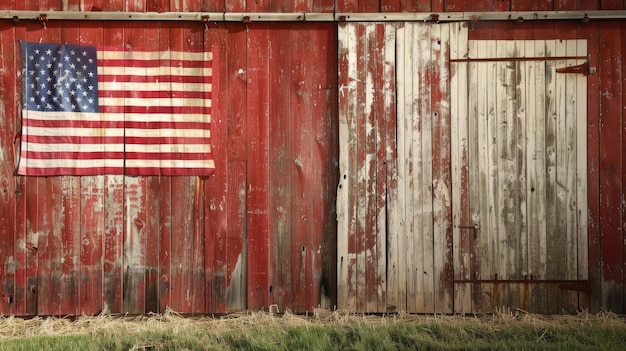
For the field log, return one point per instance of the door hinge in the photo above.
(582, 69)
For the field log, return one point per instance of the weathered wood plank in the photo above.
(610, 168)
(535, 158)
(551, 186)
(463, 87)
(301, 168)
(521, 216)
(441, 181)
(581, 203)
(9, 126)
(396, 261)
(420, 261)
(368, 170)
(235, 255)
(390, 124)
(257, 168)
(346, 201)
(323, 107)
(590, 32)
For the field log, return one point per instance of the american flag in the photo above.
(93, 110)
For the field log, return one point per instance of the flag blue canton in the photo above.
(60, 77)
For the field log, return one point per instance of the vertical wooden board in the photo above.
(323, 96)
(570, 160)
(92, 207)
(113, 230)
(390, 137)
(195, 40)
(503, 178)
(257, 167)
(417, 145)
(590, 33)
(182, 244)
(370, 170)
(331, 175)
(23, 187)
(383, 99)
(153, 204)
(521, 216)
(217, 185)
(623, 113)
(396, 276)
(551, 186)
(582, 242)
(359, 161)
(8, 128)
(235, 256)
(464, 117)
(442, 206)
(346, 200)
(610, 168)
(485, 138)
(301, 167)
(562, 162)
(536, 170)
(415, 232)
(280, 165)
(502, 5)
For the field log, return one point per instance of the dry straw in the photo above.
(242, 322)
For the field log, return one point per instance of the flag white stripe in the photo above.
(86, 163)
(156, 86)
(116, 132)
(155, 71)
(103, 53)
(115, 117)
(176, 102)
(136, 148)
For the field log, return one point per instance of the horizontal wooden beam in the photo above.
(250, 17)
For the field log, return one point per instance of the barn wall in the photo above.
(70, 245)
(260, 231)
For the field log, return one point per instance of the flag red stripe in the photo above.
(206, 110)
(115, 155)
(155, 94)
(36, 139)
(153, 63)
(113, 124)
(138, 171)
(123, 78)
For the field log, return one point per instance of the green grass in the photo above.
(301, 333)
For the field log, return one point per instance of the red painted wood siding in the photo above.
(259, 232)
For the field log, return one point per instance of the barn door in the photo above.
(394, 234)
(519, 176)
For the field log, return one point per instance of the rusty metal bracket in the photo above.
(582, 69)
(578, 286)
